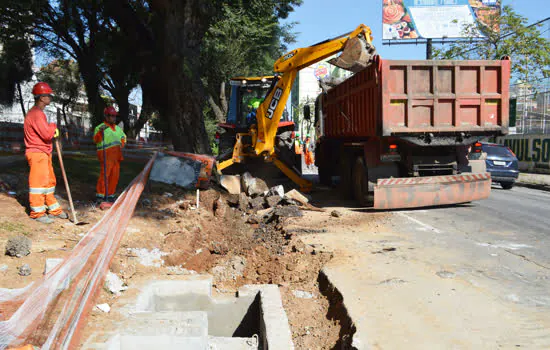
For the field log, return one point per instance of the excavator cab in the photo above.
(247, 93)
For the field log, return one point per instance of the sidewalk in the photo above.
(538, 181)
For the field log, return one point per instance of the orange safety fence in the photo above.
(51, 313)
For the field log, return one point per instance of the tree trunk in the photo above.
(68, 125)
(218, 112)
(182, 25)
(121, 98)
(21, 102)
(146, 113)
(90, 76)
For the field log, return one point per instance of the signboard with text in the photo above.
(434, 19)
(532, 151)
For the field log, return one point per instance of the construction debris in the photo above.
(296, 196)
(103, 307)
(302, 294)
(253, 186)
(18, 246)
(25, 270)
(232, 183)
(335, 213)
(114, 284)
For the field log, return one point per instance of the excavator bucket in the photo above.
(357, 55)
(396, 193)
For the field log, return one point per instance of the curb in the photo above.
(539, 187)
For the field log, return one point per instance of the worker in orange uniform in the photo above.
(109, 139)
(308, 152)
(38, 143)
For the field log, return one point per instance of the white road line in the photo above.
(429, 227)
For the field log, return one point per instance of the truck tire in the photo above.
(325, 177)
(345, 169)
(360, 183)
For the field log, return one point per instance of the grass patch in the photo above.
(14, 227)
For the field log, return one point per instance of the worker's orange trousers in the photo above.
(309, 158)
(42, 185)
(113, 174)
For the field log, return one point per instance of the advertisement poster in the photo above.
(434, 19)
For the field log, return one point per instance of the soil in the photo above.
(213, 239)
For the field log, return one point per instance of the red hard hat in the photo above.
(41, 89)
(110, 111)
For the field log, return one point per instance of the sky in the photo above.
(324, 19)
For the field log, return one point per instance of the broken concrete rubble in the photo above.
(257, 203)
(114, 284)
(253, 186)
(18, 246)
(24, 270)
(277, 191)
(244, 202)
(272, 201)
(232, 183)
(296, 196)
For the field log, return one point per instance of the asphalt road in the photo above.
(501, 246)
(473, 276)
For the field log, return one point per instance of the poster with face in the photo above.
(413, 19)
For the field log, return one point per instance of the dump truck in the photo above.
(397, 133)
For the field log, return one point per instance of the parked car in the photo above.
(500, 160)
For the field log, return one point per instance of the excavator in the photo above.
(258, 139)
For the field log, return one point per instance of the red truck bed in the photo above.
(399, 97)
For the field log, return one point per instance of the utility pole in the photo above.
(429, 49)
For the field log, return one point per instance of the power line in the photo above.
(511, 33)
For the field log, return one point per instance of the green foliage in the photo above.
(245, 41)
(64, 78)
(527, 48)
(15, 67)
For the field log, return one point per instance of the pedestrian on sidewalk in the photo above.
(109, 139)
(38, 143)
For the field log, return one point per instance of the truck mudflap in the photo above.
(415, 192)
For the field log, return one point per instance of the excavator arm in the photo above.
(357, 53)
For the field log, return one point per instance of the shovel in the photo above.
(58, 148)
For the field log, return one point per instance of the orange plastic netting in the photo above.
(51, 313)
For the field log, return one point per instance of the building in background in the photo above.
(306, 89)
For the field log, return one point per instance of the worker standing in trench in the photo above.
(109, 139)
(38, 151)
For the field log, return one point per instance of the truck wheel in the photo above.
(325, 177)
(360, 182)
(345, 168)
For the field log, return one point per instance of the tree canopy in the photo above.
(524, 44)
(179, 52)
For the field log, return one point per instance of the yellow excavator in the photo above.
(259, 139)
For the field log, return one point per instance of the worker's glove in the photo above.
(56, 134)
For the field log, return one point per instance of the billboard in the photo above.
(433, 19)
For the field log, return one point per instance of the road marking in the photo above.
(429, 227)
(506, 245)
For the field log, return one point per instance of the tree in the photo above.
(15, 68)
(246, 41)
(15, 52)
(64, 78)
(528, 50)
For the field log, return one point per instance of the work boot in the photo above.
(44, 219)
(111, 198)
(63, 215)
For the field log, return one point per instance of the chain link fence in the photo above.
(530, 107)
